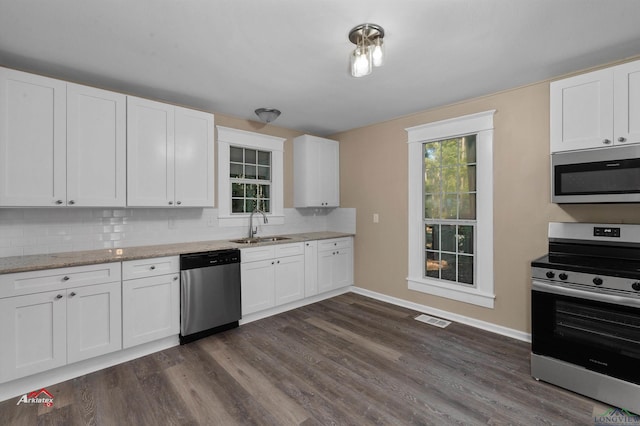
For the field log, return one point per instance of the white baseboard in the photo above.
(494, 328)
(18, 387)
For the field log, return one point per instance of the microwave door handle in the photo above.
(582, 294)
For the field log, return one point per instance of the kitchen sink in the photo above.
(257, 240)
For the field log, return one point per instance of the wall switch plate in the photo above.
(376, 218)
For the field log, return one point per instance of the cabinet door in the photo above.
(32, 140)
(94, 321)
(33, 334)
(325, 270)
(289, 276)
(150, 150)
(194, 178)
(329, 173)
(310, 268)
(582, 111)
(627, 103)
(342, 270)
(150, 309)
(258, 286)
(96, 147)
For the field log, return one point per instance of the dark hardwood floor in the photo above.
(349, 360)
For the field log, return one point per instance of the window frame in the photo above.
(480, 124)
(228, 137)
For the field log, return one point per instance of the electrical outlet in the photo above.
(376, 218)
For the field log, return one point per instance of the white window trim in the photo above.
(228, 137)
(482, 125)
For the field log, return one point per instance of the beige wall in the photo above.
(374, 180)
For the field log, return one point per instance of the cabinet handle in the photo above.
(273, 263)
(622, 139)
(170, 203)
(179, 202)
(338, 252)
(606, 141)
(66, 278)
(278, 261)
(73, 293)
(334, 253)
(175, 278)
(71, 202)
(58, 202)
(59, 296)
(152, 267)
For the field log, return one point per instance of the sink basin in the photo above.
(256, 240)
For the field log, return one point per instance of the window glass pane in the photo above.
(250, 156)
(450, 179)
(432, 237)
(249, 205)
(431, 206)
(264, 158)
(450, 206)
(432, 155)
(237, 206)
(448, 266)
(250, 172)
(264, 205)
(432, 180)
(468, 149)
(264, 173)
(465, 239)
(263, 191)
(432, 267)
(467, 178)
(235, 170)
(448, 238)
(235, 154)
(252, 191)
(237, 190)
(449, 152)
(465, 269)
(468, 206)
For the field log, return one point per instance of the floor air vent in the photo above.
(433, 321)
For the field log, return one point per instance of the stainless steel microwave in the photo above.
(603, 175)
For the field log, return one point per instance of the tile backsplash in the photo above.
(38, 231)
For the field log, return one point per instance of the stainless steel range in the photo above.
(585, 312)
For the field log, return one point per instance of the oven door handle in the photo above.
(581, 294)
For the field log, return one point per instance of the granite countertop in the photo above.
(91, 257)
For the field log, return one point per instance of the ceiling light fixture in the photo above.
(369, 51)
(267, 115)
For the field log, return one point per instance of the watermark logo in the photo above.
(617, 416)
(41, 396)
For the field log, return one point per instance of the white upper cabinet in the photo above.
(596, 109)
(32, 139)
(316, 165)
(96, 147)
(61, 144)
(169, 155)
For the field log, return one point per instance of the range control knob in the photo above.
(563, 276)
(550, 274)
(597, 281)
(636, 286)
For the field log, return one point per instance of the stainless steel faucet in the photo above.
(253, 231)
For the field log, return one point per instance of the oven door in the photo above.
(599, 332)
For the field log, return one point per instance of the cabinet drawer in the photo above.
(141, 268)
(256, 253)
(293, 249)
(334, 243)
(31, 282)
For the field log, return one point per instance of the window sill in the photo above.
(227, 221)
(462, 294)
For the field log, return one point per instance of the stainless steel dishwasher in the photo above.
(209, 293)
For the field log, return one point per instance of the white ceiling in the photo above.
(233, 56)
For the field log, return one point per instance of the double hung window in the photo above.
(250, 179)
(451, 209)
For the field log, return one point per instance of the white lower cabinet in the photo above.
(150, 300)
(335, 264)
(47, 320)
(274, 276)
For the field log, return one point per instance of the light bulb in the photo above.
(361, 62)
(378, 53)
